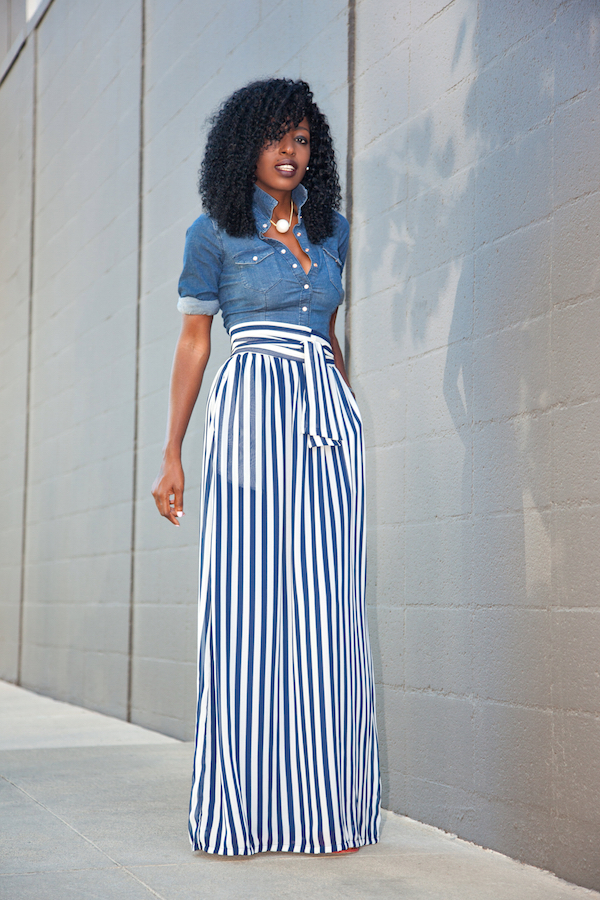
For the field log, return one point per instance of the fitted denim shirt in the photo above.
(257, 278)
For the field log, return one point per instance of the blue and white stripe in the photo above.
(286, 747)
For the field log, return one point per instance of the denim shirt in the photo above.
(257, 278)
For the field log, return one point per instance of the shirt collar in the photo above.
(264, 204)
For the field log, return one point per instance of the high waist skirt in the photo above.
(286, 744)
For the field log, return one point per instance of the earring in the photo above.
(307, 168)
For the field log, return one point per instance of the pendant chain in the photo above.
(282, 225)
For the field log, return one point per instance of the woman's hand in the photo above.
(191, 356)
(167, 490)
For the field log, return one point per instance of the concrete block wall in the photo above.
(105, 590)
(194, 61)
(12, 21)
(474, 323)
(78, 539)
(16, 147)
(472, 326)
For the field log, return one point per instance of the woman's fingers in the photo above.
(168, 495)
(169, 507)
(162, 498)
(175, 505)
(178, 501)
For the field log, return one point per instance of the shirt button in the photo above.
(304, 308)
(315, 265)
(294, 265)
(283, 251)
(306, 287)
(254, 258)
(306, 249)
(264, 225)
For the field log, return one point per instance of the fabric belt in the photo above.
(296, 342)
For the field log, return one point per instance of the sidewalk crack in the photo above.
(83, 837)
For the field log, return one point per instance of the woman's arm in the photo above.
(337, 353)
(191, 356)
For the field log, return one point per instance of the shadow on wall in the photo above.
(423, 249)
(467, 247)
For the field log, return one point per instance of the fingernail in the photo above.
(179, 513)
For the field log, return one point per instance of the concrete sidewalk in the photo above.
(92, 807)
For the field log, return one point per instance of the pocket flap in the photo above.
(253, 256)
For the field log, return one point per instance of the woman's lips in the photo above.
(287, 169)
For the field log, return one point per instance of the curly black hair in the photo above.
(244, 124)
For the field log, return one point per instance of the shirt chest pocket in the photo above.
(334, 267)
(258, 268)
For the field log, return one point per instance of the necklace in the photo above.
(282, 225)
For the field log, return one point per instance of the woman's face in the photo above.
(282, 164)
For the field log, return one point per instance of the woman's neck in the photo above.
(284, 201)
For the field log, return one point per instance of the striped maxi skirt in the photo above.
(286, 742)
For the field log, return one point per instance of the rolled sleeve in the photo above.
(202, 264)
(191, 306)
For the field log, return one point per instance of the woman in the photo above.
(286, 743)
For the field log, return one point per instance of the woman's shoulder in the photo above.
(205, 229)
(204, 234)
(203, 225)
(341, 225)
(338, 242)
